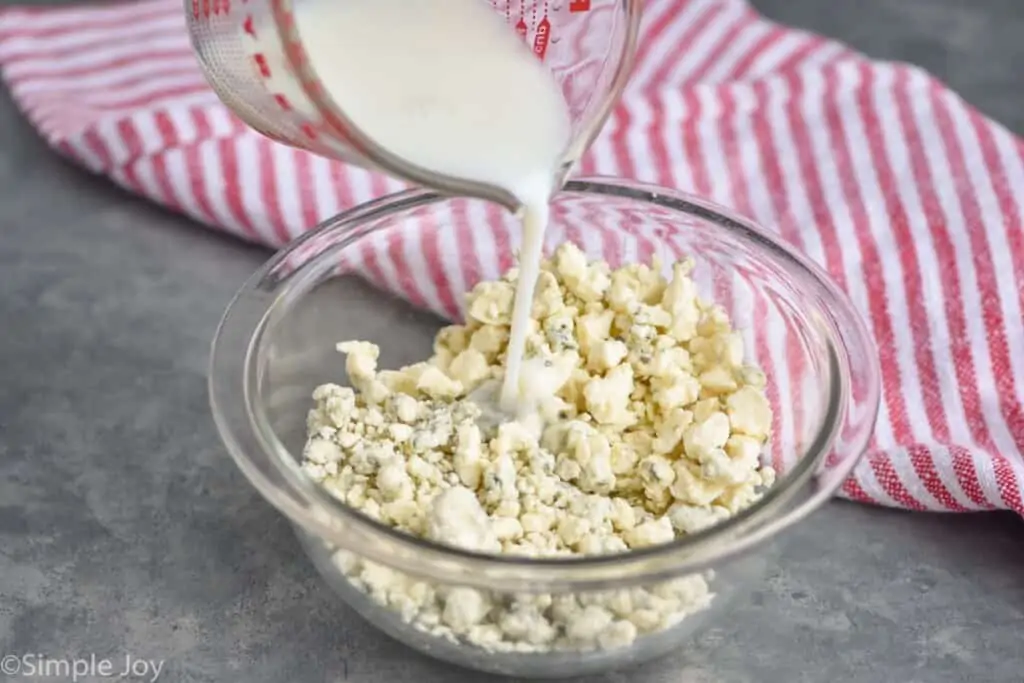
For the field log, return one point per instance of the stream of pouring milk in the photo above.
(450, 87)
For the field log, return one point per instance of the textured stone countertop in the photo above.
(126, 529)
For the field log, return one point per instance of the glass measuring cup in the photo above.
(254, 59)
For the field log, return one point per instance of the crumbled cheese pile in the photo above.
(652, 428)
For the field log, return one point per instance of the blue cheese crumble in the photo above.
(653, 429)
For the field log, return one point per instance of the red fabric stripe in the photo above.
(86, 95)
(967, 474)
(134, 146)
(910, 261)
(193, 161)
(691, 143)
(168, 139)
(430, 238)
(56, 53)
(852, 488)
(269, 192)
(810, 45)
(144, 100)
(373, 269)
(669, 62)
(406, 282)
(96, 145)
(306, 187)
(749, 59)
(771, 172)
(466, 244)
(342, 186)
(1009, 486)
(113, 65)
(1014, 229)
(650, 35)
(620, 129)
(879, 301)
(913, 293)
(964, 468)
(812, 180)
(924, 466)
(700, 71)
(991, 312)
(233, 188)
(657, 128)
(87, 22)
(951, 286)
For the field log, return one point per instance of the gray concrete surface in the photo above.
(125, 528)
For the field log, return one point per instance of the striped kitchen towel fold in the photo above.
(875, 170)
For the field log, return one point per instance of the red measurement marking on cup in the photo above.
(521, 26)
(261, 64)
(283, 102)
(542, 38)
(249, 26)
(309, 131)
(195, 9)
(579, 5)
(221, 7)
(206, 8)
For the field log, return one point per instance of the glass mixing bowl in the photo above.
(392, 271)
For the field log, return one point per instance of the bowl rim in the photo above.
(275, 472)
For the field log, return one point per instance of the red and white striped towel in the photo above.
(883, 176)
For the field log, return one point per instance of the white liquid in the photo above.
(448, 86)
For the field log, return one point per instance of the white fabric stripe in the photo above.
(288, 190)
(110, 87)
(789, 164)
(323, 191)
(82, 31)
(737, 50)
(711, 146)
(149, 135)
(412, 249)
(146, 175)
(250, 180)
(448, 234)
(221, 125)
(213, 182)
(707, 41)
(638, 142)
(987, 478)
(482, 246)
(943, 461)
(178, 176)
(784, 47)
(672, 137)
(55, 62)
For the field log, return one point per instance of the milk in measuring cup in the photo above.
(449, 86)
